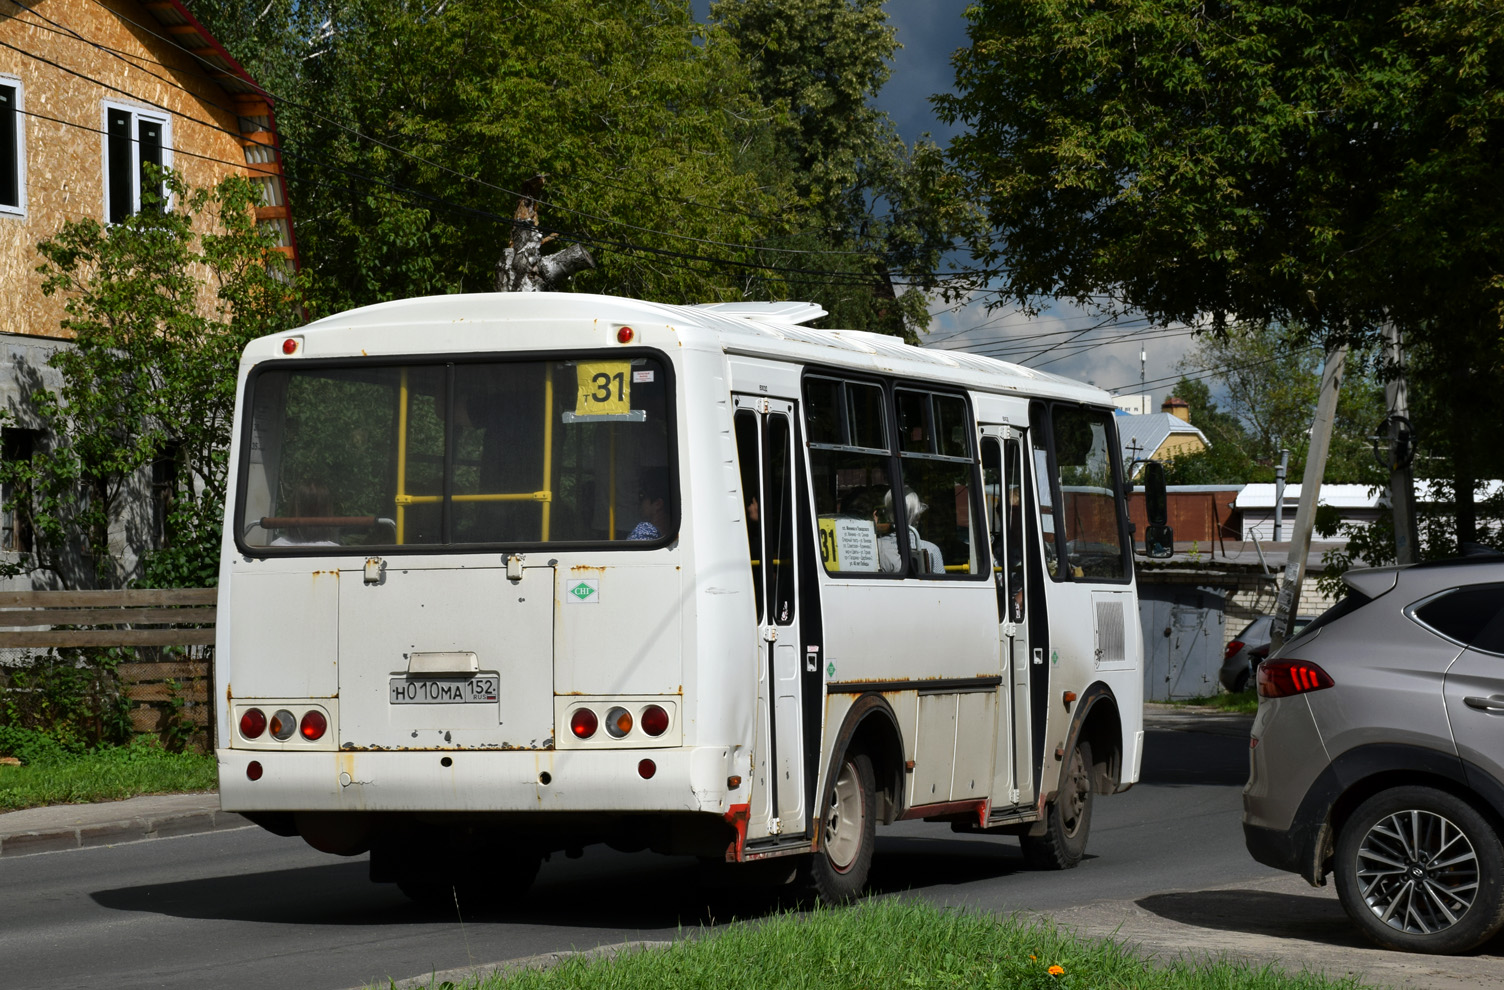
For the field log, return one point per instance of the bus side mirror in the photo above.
(1159, 539)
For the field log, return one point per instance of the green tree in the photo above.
(1270, 383)
(867, 204)
(1323, 164)
(159, 308)
(411, 132)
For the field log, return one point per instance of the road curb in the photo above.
(57, 838)
(544, 960)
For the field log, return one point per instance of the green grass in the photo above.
(892, 943)
(1242, 701)
(52, 774)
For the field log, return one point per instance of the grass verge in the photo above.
(1241, 701)
(51, 774)
(892, 943)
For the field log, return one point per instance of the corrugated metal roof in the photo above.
(1141, 436)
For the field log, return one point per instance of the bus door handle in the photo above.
(770, 634)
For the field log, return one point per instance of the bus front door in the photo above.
(1003, 476)
(765, 447)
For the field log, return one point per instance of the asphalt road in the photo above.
(1166, 869)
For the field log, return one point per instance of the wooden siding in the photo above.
(71, 56)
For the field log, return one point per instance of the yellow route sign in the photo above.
(605, 388)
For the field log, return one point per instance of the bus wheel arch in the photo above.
(1090, 764)
(870, 727)
(1099, 723)
(862, 785)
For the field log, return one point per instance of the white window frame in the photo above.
(137, 113)
(19, 208)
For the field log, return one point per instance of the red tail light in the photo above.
(654, 720)
(313, 725)
(252, 723)
(1282, 678)
(583, 723)
(1232, 649)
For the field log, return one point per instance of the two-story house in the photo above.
(91, 91)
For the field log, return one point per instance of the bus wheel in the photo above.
(848, 831)
(1067, 819)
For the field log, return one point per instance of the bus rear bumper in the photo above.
(689, 779)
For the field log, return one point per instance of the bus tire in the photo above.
(837, 872)
(1067, 820)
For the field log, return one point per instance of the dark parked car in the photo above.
(1378, 754)
(1249, 648)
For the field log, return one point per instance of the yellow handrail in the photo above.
(548, 441)
(402, 399)
(545, 496)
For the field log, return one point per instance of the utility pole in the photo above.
(1279, 494)
(1310, 492)
(1401, 450)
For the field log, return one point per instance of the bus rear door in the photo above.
(765, 447)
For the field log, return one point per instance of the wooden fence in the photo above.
(168, 689)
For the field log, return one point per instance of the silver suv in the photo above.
(1378, 754)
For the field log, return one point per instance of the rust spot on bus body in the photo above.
(587, 569)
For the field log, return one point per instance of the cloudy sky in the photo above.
(1063, 339)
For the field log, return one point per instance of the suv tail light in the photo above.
(1283, 678)
(1232, 649)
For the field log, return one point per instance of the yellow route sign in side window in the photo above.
(605, 388)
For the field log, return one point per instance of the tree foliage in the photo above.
(159, 307)
(1323, 163)
(867, 204)
(1320, 164)
(1271, 385)
(738, 159)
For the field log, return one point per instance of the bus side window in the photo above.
(1013, 506)
(750, 457)
(777, 514)
(934, 431)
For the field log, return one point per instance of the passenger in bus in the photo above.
(653, 499)
(927, 556)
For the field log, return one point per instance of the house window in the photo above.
(12, 148)
(134, 138)
(166, 468)
(16, 445)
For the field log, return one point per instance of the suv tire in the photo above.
(1420, 870)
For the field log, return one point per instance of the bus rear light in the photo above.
(646, 769)
(284, 724)
(583, 723)
(618, 722)
(314, 725)
(253, 770)
(1283, 678)
(654, 720)
(252, 723)
(624, 335)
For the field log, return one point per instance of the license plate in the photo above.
(444, 690)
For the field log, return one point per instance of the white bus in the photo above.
(506, 575)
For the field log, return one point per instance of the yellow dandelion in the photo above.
(1057, 970)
